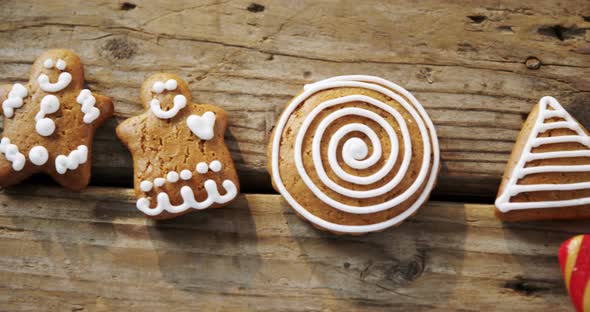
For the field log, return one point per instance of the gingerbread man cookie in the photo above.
(49, 123)
(180, 158)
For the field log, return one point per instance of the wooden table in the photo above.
(478, 68)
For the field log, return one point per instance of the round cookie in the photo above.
(354, 154)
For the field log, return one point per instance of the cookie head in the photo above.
(56, 71)
(165, 95)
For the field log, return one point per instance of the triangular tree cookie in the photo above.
(548, 174)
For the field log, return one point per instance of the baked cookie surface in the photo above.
(49, 122)
(547, 175)
(180, 159)
(354, 154)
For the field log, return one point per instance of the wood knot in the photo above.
(120, 48)
(532, 62)
(255, 8)
(560, 32)
(526, 287)
(477, 19)
(126, 6)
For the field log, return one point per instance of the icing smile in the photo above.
(179, 103)
(63, 81)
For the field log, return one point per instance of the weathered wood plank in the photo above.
(478, 66)
(93, 250)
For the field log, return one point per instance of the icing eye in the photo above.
(171, 84)
(158, 87)
(61, 65)
(48, 63)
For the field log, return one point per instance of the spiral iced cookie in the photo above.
(354, 154)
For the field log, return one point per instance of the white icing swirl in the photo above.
(49, 105)
(355, 152)
(63, 81)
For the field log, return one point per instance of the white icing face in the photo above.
(355, 152)
(521, 170)
(169, 85)
(63, 80)
(202, 126)
(72, 161)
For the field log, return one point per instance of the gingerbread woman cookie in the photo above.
(49, 123)
(180, 158)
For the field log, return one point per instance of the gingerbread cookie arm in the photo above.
(126, 132)
(4, 90)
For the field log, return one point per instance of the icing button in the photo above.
(172, 176)
(145, 186)
(202, 168)
(38, 155)
(215, 166)
(186, 174)
(159, 181)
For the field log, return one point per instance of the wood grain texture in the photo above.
(93, 251)
(477, 66)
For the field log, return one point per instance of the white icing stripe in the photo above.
(558, 125)
(585, 140)
(12, 154)
(87, 100)
(512, 188)
(517, 189)
(419, 116)
(564, 154)
(553, 114)
(72, 161)
(179, 103)
(15, 99)
(544, 169)
(63, 81)
(188, 197)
